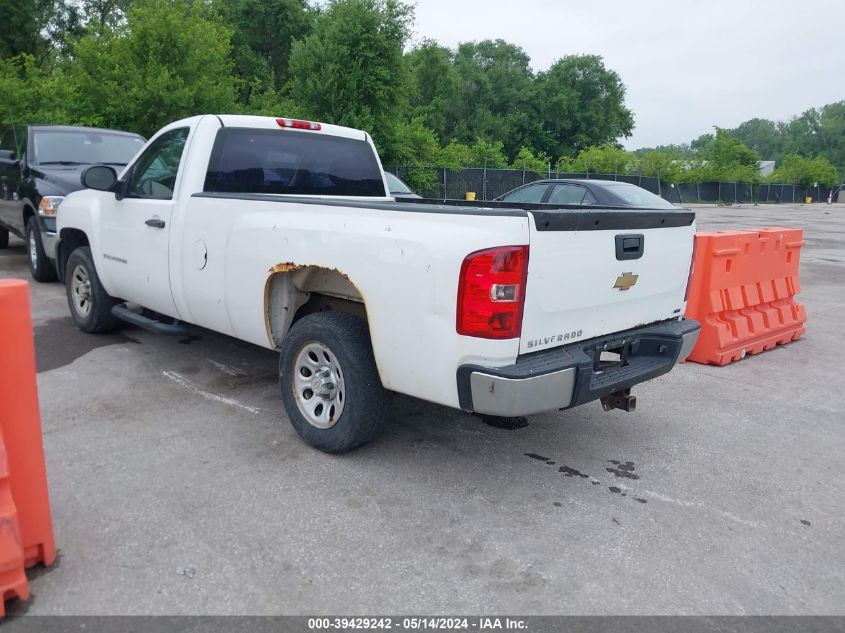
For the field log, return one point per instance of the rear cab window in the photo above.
(292, 162)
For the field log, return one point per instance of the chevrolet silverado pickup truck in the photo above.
(282, 233)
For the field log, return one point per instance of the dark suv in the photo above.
(39, 166)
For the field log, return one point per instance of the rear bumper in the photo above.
(567, 376)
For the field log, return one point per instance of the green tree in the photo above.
(455, 155)
(488, 154)
(350, 69)
(727, 158)
(527, 160)
(104, 13)
(263, 32)
(24, 22)
(800, 170)
(581, 103)
(497, 95)
(415, 144)
(152, 71)
(763, 136)
(29, 92)
(666, 163)
(604, 159)
(435, 89)
(832, 130)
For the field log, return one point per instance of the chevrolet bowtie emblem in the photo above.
(625, 281)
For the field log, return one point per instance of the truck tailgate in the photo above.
(592, 273)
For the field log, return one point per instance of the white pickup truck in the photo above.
(281, 232)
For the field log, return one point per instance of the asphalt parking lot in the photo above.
(179, 487)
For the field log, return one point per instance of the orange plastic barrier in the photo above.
(20, 424)
(742, 291)
(13, 582)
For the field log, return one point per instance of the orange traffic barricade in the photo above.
(20, 425)
(742, 291)
(13, 583)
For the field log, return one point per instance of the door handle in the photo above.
(629, 246)
(155, 223)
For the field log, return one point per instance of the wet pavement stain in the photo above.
(58, 342)
(537, 457)
(571, 472)
(623, 469)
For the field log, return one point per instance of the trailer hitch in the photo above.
(620, 400)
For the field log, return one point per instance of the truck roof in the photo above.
(268, 122)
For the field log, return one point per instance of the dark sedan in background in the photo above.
(39, 166)
(608, 193)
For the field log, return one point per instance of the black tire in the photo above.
(366, 403)
(98, 318)
(4, 237)
(40, 266)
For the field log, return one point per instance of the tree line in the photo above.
(720, 156)
(139, 64)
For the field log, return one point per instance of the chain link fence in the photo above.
(488, 184)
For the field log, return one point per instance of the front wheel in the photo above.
(40, 266)
(330, 384)
(4, 237)
(89, 303)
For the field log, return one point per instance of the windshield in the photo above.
(395, 185)
(83, 147)
(637, 196)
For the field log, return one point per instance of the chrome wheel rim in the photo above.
(33, 250)
(318, 385)
(80, 291)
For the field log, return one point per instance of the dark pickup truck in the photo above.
(39, 166)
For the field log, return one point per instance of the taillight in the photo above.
(491, 292)
(691, 267)
(298, 124)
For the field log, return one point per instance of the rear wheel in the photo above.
(330, 384)
(4, 238)
(89, 303)
(40, 266)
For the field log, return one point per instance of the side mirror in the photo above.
(99, 177)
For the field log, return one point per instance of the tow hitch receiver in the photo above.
(620, 400)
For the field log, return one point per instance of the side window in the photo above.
(567, 194)
(589, 199)
(531, 193)
(154, 174)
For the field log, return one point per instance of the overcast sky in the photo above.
(687, 65)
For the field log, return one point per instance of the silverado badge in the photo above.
(625, 281)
